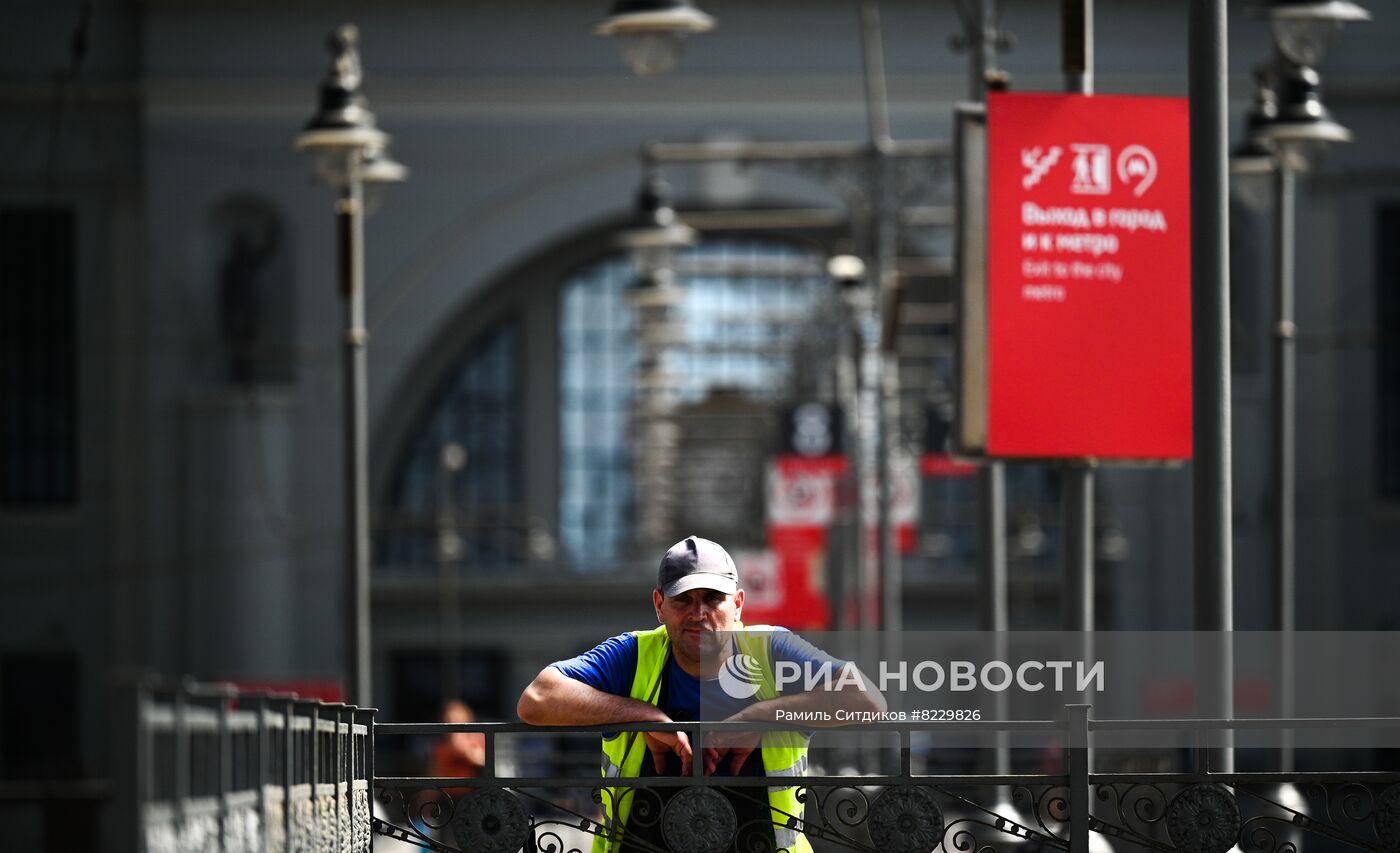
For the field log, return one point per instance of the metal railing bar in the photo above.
(723, 781)
(339, 728)
(224, 770)
(288, 768)
(968, 726)
(263, 759)
(1252, 778)
(181, 755)
(313, 709)
(1252, 723)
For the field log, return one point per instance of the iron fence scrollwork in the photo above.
(1196, 810)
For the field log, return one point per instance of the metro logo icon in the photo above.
(1088, 326)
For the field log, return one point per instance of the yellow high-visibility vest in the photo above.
(784, 753)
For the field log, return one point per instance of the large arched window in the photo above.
(743, 306)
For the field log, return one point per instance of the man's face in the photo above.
(693, 617)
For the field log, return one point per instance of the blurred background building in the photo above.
(170, 457)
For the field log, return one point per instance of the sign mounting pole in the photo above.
(1210, 345)
(1077, 476)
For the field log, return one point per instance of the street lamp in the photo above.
(380, 167)
(1302, 128)
(1299, 130)
(1252, 156)
(655, 231)
(652, 239)
(348, 151)
(1305, 29)
(653, 32)
(1292, 123)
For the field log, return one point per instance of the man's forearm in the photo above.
(554, 699)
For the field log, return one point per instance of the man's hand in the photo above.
(663, 744)
(737, 745)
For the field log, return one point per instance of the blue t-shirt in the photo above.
(611, 665)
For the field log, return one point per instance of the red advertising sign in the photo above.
(803, 498)
(1088, 277)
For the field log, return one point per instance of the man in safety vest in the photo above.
(659, 675)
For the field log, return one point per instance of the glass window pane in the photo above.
(743, 302)
(479, 410)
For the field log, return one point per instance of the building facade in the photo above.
(173, 466)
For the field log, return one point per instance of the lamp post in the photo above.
(653, 32)
(850, 275)
(1290, 123)
(652, 240)
(452, 460)
(1211, 482)
(348, 151)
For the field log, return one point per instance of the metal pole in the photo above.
(860, 467)
(882, 368)
(448, 550)
(848, 392)
(1210, 353)
(1077, 520)
(883, 359)
(1077, 736)
(991, 477)
(1285, 445)
(1077, 40)
(873, 64)
(1077, 478)
(995, 619)
(1077, 527)
(350, 221)
(983, 47)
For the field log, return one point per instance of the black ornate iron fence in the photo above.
(220, 770)
(1197, 809)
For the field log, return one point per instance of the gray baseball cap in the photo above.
(695, 563)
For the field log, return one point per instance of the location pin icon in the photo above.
(1137, 165)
